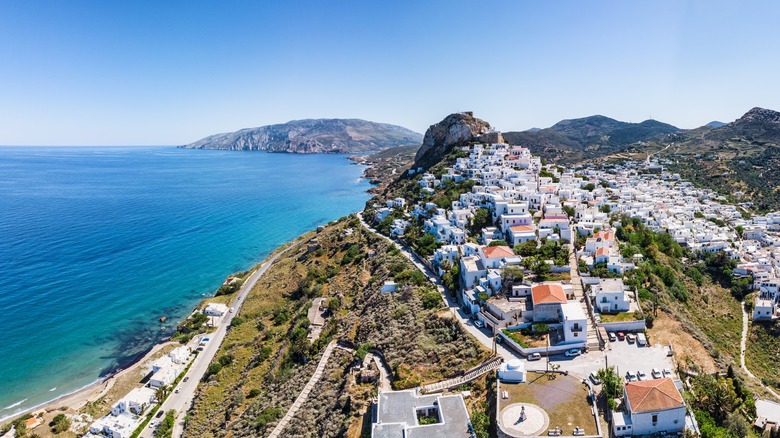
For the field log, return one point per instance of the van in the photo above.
(641, 340)
(630, 338)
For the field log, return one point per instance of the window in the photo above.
(655, 418)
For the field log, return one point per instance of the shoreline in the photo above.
(92, 392)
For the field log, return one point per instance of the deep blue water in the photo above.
(97, 243)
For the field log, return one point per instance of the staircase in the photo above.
(468, 376)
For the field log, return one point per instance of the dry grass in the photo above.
(564, 398)
(688, 351)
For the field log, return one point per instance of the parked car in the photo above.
(667, 372)
(631, 376)
(630, 338)
(176, 391)
(574, 352)
(479, 323)
(655, 373)
(612, 337)
(186, 378)
(641, 375)
(621, 336)
(534, 356)
(594, 379)
(641, 339)
(159, 414)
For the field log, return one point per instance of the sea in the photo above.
(98, 243)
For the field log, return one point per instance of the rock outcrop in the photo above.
(455, 130)
(312, 136)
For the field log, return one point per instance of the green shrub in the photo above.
(431, 300)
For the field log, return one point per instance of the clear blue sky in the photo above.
(166, 72)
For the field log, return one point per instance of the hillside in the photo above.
(580, 139)
(266, 359)
(314, 136)
(737, 159)
(386, 166)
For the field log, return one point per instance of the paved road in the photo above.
(743, 345)
(180, 401)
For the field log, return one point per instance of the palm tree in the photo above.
(161, 393)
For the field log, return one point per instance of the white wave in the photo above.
(52, 390)
(14, 405)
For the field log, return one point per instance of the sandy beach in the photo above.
(74, 403)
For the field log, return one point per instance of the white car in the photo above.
(667, 372)
(655, 373)
(574, 352)
(641, 375)
(594, 379)
(631, 376)
(534, 356)
(479, 323)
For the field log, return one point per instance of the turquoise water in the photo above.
(96, 244)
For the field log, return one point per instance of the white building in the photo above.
(650, 407)
(215, 309)
(611, 296)
(512, 371)
(134, 402)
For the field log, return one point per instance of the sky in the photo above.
(170, 73)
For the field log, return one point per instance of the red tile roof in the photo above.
(493, 252)
(521, 228)
(605, 235)
(548, 293)
(653, 395)
(603, 251)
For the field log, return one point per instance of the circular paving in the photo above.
(535, 423)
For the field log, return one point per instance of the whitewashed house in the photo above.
(611, 296)
(650, 407)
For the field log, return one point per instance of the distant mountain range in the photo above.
(588, 137)
(739, 159)
(309, 136)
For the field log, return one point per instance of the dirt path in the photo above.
(743, 346)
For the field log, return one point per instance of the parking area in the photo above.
(623, 355)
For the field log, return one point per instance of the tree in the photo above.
(60, 424)
(740, 230)
(589, 187)
(612, 383)
(498, 243)
(162, 392)
(480, 220)
(716, 396)
(526, 249)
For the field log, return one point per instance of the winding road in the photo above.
(181, 399)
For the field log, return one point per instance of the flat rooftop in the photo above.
(397, 416)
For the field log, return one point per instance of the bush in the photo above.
(267, 416)
(60, 424)
(431, 300)
(412, 276)
(225, 360)
(237, 321)
(254, 392)
(213, 368)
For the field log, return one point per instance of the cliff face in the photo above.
(313, 136)
(455, 130)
